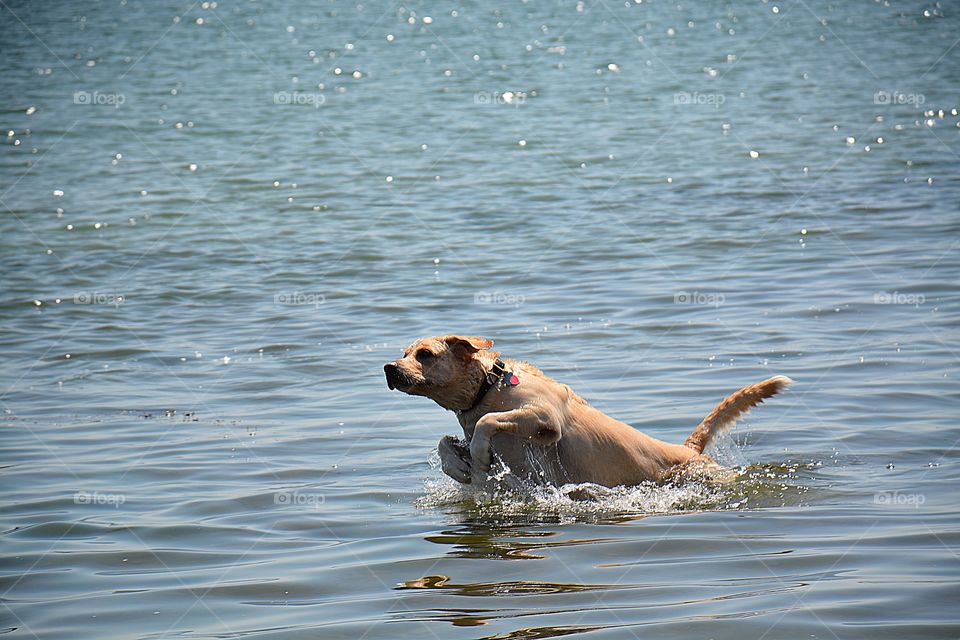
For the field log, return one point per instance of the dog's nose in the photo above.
(390, 371)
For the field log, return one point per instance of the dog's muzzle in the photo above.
(395, 378)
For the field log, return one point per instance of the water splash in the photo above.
(572, 501)
(746, 486)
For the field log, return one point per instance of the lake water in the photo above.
(219, 220)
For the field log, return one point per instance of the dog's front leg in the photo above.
(455, 459)
(535, 423)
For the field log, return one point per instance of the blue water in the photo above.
(212, 240)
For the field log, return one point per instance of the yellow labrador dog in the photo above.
(541, 430)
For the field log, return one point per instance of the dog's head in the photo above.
(447, 369)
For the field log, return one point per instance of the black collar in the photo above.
(490, 380)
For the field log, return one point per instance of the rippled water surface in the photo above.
(220, 219)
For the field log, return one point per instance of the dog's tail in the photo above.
(725, 414)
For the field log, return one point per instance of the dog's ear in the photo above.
(471, 344)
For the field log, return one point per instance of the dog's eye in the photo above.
(424, 354)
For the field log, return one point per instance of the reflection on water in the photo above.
(514, 588)
(482, 540)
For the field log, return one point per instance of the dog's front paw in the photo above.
(480, 451)
(455, 459)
